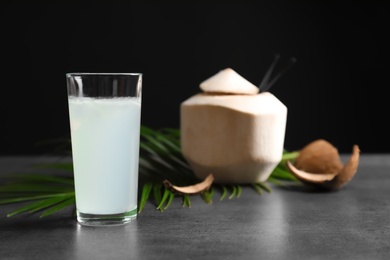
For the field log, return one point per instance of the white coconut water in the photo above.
(105, 137)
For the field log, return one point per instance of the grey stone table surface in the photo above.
(294, 223)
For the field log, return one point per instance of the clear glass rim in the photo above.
(73, 74)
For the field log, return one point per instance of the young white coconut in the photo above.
(232, 131)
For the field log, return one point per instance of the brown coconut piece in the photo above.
(349, 170)
(228, 81)
(192, 189)
(319, 163)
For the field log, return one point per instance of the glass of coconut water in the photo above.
(105, 119)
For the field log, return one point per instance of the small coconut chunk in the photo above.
(192, 189)
(228, 81)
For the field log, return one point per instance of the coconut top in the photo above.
(263, 103)
(228, 81)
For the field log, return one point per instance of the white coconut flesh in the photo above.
(228, 81)
(263, 103)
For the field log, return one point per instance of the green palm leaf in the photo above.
(160, 159)
(147, 187)
(39, 178)
(57, 207)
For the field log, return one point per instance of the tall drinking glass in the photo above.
(105, 119)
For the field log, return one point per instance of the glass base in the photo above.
(86, 219)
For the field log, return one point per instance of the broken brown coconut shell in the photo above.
(192, 189)
(319, 164)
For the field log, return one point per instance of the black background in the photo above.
(337, 90)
